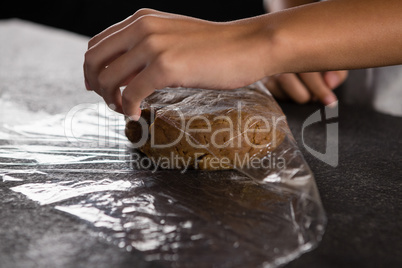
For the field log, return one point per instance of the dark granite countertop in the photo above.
(361, 195)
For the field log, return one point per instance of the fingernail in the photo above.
(330, 100)
(87, 85)
(333, 104)
(112, 107)
(332, 79)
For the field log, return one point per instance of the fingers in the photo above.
(110, 48)
(293, 87)
(333, 79)
(120, 56)
(140, 87)
(161, 72)
(273, 86)
(129, 20)
(317, 86)
(119, 73)
(98, 57)
(120, 25)
(305, 87)
(126, 54)
(113, 99)
(112, 29)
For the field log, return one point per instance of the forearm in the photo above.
(278, 5)
(335, 35)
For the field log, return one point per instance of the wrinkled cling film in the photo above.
(80, 163)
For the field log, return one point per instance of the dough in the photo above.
(207, 129)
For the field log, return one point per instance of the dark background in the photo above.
(89, 17)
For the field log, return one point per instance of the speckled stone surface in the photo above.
(361, 196)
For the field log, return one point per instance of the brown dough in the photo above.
(208, 129)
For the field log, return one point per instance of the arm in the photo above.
(302, 87)
(338, 34)
(153, 50)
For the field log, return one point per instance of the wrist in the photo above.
(273, 45)
(291, 48)
(268, 46)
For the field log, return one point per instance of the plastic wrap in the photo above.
(81, 163)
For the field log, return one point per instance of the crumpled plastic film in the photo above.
(82, 164)
(220, 129)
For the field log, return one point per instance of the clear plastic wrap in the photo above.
(82, 164)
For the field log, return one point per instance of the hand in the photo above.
(305, 87)
(153, 50)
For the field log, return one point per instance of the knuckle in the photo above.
(166, 66)
(303, 98)
(143, 11)
(282, 78)
(152, 42)
(147, 24)
(89, 58)
(93, 41)
(126, 99)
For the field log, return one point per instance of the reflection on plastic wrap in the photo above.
(80, 164)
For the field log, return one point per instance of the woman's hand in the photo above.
(305, 87)
(153, 50)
